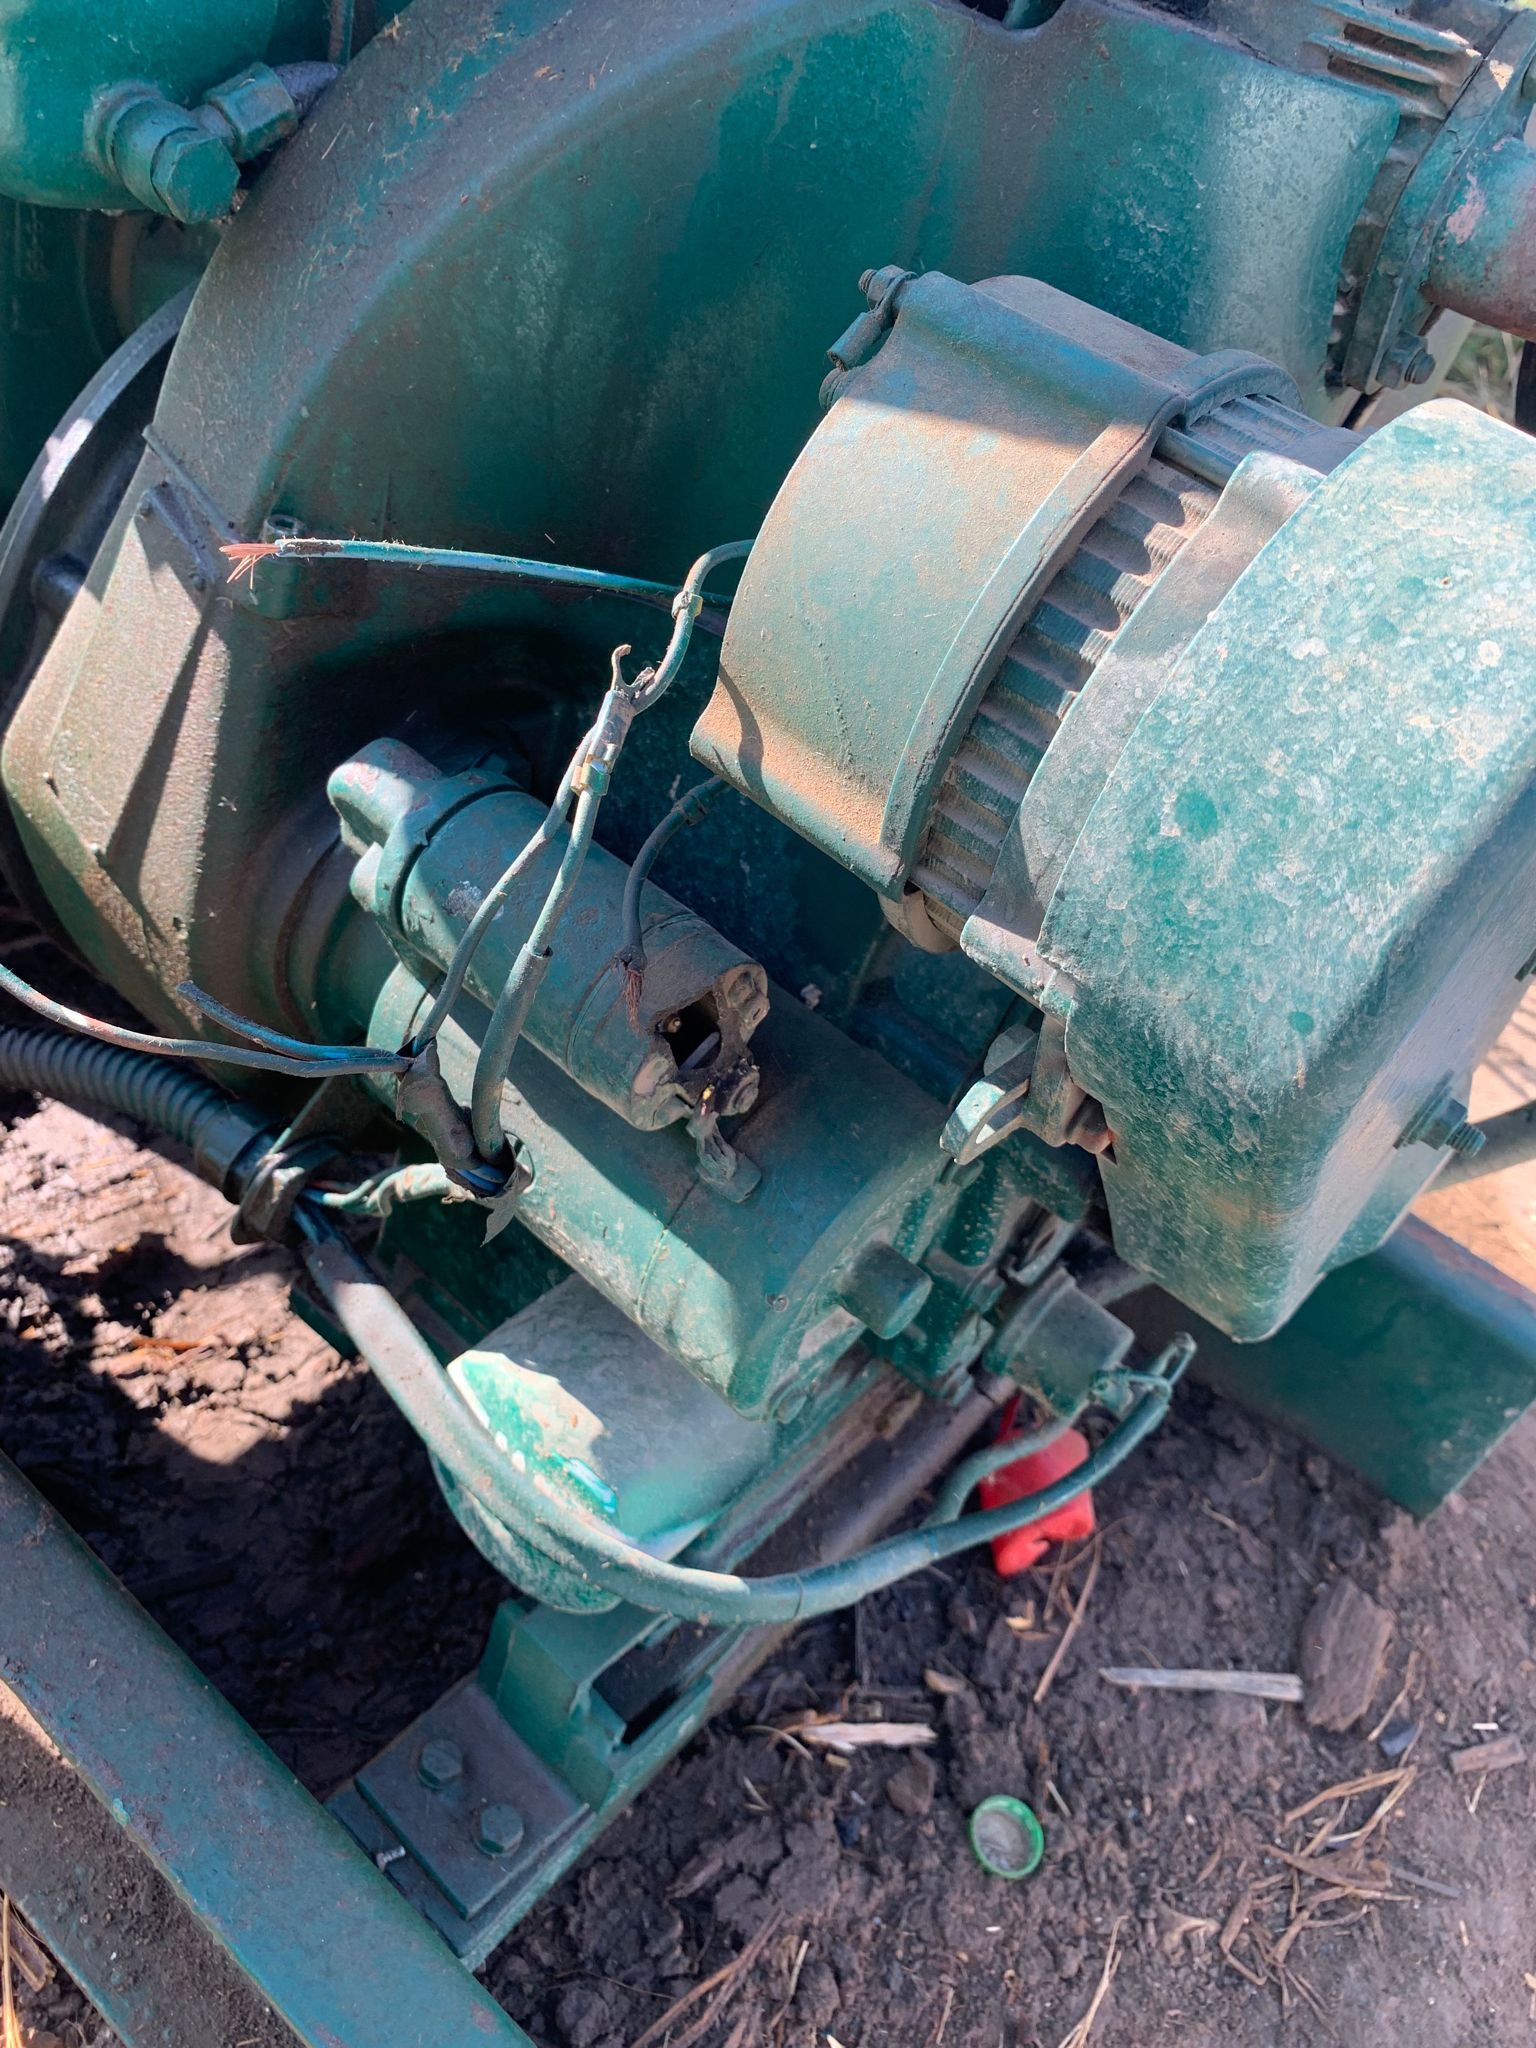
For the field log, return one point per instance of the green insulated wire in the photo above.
(585, 1543)
(246, 555)
(590, 774)
(686, 606)
(490, 908)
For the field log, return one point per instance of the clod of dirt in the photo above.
(910, 1790)
(583, 2015)
(1343, 1647)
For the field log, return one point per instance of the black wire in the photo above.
(1525, 389)
(688, 810)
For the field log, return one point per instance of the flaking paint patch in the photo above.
(1462, 224)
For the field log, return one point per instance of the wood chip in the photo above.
(1236, 1921)
(1175, 1928)
(1499, 1755)
(1285, 1686)
(847, 1736)
(1343, 1650)
(945, 1683)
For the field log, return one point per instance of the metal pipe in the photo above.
(1483, 261)
(326, 1939)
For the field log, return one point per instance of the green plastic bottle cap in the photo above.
(1006, 1838)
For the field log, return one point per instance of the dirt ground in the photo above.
(266, 1504)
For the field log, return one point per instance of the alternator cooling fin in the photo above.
(1061, 643)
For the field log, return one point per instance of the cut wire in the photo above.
(244, 557)
(315, 1060)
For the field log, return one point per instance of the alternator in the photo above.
(1103, 661)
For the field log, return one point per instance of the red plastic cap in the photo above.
(1070, 1523)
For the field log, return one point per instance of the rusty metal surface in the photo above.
(1484, 259)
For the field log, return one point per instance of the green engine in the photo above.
(1064, 847)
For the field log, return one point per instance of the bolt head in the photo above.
(440, 1764)
(501, 1829)
(194, 176)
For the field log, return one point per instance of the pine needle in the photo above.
(1078, 2038)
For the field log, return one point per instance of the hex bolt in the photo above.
(500, 1829)
(194, 176)
(1466, 1138)
(1445, 1123)
(250, 112)
(440, 1764)
(166, 159)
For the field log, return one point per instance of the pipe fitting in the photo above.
(167, 160)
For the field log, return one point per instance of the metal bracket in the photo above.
(471, 1806)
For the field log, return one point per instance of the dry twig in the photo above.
(10, 2022)
(1332, 1870)
(1078, 2038)
(938, 2032)
(1048, 1675)
(1346, 1790)
(29, 1956)
(717, 1990)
